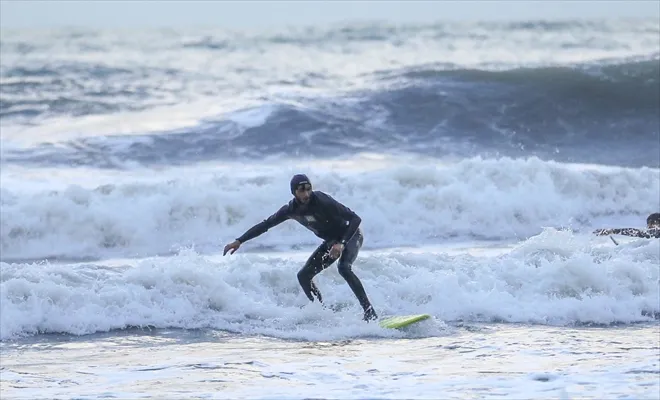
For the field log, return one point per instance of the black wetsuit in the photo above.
(334, 223)
(641, 233)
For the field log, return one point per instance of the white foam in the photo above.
(555, 278)
(162, 118)
(401, 203)
(253, 117)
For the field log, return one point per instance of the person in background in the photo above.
(652, 229)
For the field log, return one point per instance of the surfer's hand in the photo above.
(336, 249)
(232, 246)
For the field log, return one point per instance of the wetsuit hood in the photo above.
(297, 180)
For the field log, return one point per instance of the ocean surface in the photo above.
(480, 156)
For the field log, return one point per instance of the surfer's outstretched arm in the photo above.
(277, 218)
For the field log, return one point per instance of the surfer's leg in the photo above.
(316, 263)
(346, 260)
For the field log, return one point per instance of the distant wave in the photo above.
(94, 88)
(559, 112)
(78, 89)
(578, 91)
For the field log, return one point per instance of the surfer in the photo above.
(652, 229)
(336, 224)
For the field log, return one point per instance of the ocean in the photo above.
(480, 156)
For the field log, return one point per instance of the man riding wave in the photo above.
(328, 219)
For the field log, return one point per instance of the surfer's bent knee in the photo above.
(302, 274)
(345, 264)
(344, 268)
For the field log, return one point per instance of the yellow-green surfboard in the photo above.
(400, 321)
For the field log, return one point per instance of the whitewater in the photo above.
(480, 157)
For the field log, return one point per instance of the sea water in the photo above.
(480, 157)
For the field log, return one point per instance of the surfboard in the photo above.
(400, 321)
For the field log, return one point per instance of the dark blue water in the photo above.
(597, 114)
(574, 91)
